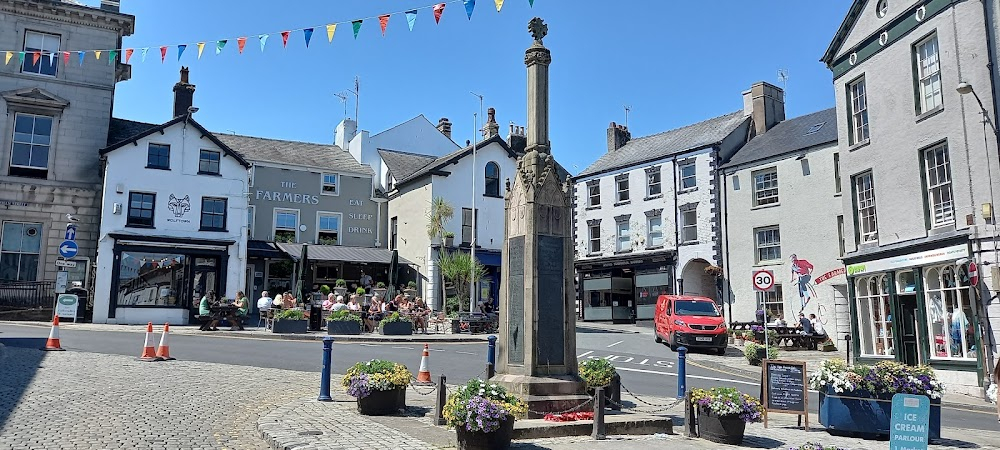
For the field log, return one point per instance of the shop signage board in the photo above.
(67, 305)
(784, 389)
(763, 280)
(910, 417)
(914, 259)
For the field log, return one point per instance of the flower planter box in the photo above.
(381, 403)
(379, 292)
(410, 292)
(286, 326)
(343, 327)
(477, 440)
(396, 329)
(340, 291)
(613, 393)
(860, 414)
(727, 429)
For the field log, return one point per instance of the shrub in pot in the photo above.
(325, 290)
(449, 239)
(755, 353)
(290, 321)
(483, 415)
(343, 322)
(395, 324)
(379, 386)
(724, 412)
(599, 373)
(340, 286)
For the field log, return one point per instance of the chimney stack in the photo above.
(111, 5)
(491, 128)
(516, 139)
(764, 103)
(618, 136)
(444, 126)
(183, 94)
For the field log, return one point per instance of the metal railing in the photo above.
(27, 294)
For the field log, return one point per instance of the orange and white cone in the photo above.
(424, 375)
(163, 351)
(52, 344)
(148, 351)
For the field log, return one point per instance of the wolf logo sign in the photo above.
(179, 206)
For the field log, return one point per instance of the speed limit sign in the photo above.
(763, 280)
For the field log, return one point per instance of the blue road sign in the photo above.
(70, 232)
(68, 249)
(910, 416)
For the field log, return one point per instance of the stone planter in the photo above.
(379, 292)
(410, 292)
(864, 415)
(340, 291)
(343, 327)
(396, 329)
(477, 440)
(286, 326)
(728, 429)
(449, 241)
(382, 403)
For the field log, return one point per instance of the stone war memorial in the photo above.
(536, 355)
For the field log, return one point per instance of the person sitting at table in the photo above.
(242, 304)
(404, 304)
(288, 301)
(817, 326)
(375, 313)
(329, 302)
(805, 327)
(391, 306)
(419, 312)
(264, 302)
(486, 306)
(353, 304)
(205, 311)
(339, 305)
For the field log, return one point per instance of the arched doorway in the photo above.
(696, 281)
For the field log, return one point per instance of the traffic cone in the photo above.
(52, 344)
(424, 375)
(148, 351)
(163, 351)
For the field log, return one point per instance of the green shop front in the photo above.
(915, 305)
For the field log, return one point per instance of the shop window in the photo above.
(208, 162)
(158, 156)
(621, 184)
(286, 225)
(864, 204)
(874, 315)
(768, 242)
(330, 184)
(492, 180)
(279, 277)
(654, 236)
(47, 48)
(687, 174)
(213, 214)
(328, 229)
(593, 193)
(773, 303)
(653, 181)
(937, 176)
(928, 74)
(30, 147)
(765, 187)
(156, 279)
(140, 209)
(689, 225)
(950, 313)
(857, 93)
(20, 246)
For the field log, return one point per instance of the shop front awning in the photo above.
(265, 250)
(342, 253)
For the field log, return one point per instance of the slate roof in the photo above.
(403, 164)
(456, 155)
(678, 140)
(323, 156)
(146, 129)
(121, 129)
(789, 136)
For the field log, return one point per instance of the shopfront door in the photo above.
(204, 278)
(909, 346)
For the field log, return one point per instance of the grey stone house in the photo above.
(55, 119)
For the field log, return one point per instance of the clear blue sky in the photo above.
(673, 62)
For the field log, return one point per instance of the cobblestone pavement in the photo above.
(75, 400)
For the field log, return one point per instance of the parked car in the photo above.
(694, 322)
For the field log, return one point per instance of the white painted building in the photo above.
(782, 201)
(173, 226)
(647, 213)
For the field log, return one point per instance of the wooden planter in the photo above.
(477, 440)
(381, 403)
(864, 415)
(728, 429)
(343, 327)
(290, 326)
(396, 329)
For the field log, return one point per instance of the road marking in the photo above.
(656, 372)
(367, 345)
(436, 349)
(616, 343)
(585, 354)
(466, 353)
(404, 348)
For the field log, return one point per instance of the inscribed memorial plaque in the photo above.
(515, 300)
(551, 335)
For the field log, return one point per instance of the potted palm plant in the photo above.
(723, 413)
(378, 385)
(483, 415)
(343, 322)
(340, 286)
(290, 321)
(395, 325)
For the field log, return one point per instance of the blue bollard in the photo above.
(681, 371)
(491, 357)
(324, 380)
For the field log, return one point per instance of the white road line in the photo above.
(436, 350)
(404, 348)
(466, 353)
(585, 354)
(616, 343)
(367, 345)
(629, 369)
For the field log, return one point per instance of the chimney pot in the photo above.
(764, 103)
(444, 126)
(183, 94)
(618, 136)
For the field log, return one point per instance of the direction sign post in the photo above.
(68, 249)
(70, 232)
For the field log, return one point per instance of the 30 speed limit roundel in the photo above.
(763, 280)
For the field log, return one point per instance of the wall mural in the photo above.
(802, 275)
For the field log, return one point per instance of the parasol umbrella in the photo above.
(302, 287)
(393, 275)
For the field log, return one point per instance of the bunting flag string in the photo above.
(307, 32)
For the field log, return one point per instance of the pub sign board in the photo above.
(785, 389)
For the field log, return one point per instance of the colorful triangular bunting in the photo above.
(20, 58)
(7, 57)
(65, 58)
(35, 56)
(383, 22)
(240, 43)
(97, 54)
(219, 45)
(499, 4)
(531, 3)
(201, 48)
(308, 34)
(180, 50)
(438, 10)
(52, 59)
(80, 55)
(357, 27)
(144, 50)
(330, 30)
(411, 17)
(128, 54)
(112, 57)
(284, 38)
(163, 54)
(469, 6)
(263, 40)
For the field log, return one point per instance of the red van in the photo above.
(690, 321)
